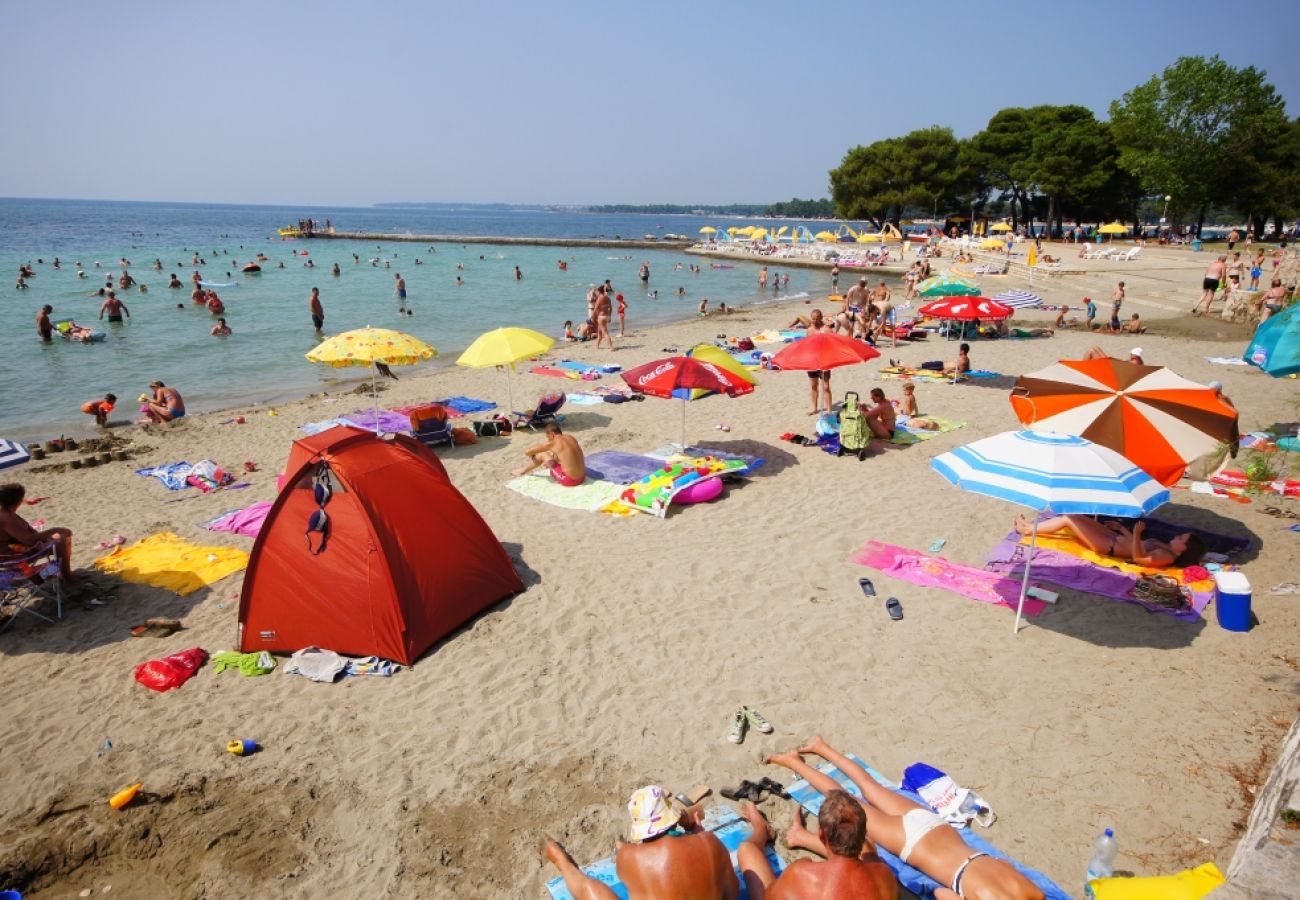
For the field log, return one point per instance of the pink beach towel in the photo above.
(935, 571)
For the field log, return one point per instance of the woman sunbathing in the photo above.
(1114, 540)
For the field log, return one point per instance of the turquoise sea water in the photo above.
(45, 384)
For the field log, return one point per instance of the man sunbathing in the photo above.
(1114, 540)
(851, 869)
(962, 364)
(671, 857)
(914, 833)
(562, 453)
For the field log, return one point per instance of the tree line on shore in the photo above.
(1202, 137)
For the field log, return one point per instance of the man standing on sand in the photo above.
(114, 307)
(559, 451)
(855, 301)
(604, 312)
(885, 310)
(851, 867)
(662, 862)
(317, 311)
(1116, 303)
(1215, 273)
(43, 325)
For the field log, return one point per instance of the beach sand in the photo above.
(622, 662)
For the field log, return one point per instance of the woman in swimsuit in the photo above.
(1114, 540)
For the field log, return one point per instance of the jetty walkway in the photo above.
(614, 243)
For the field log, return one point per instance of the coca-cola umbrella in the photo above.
(662, 377)
(967, 309)
(821, 351)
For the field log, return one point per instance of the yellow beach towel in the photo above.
(1066, 543)
(167, 561)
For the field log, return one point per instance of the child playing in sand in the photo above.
(100, 409)
(910, 413)
(568, 330)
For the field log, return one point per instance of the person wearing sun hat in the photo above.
(1135, 356)
(670, 856)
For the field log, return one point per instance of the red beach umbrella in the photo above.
(823, 350)
(662, 377)
(967, 309)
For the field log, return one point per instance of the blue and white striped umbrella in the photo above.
(1019, 299)
(12, 454)
(1045, 470)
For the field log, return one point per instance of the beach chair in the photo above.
(1130, 255)
(547, 411)
(430, 425)
(28, 579)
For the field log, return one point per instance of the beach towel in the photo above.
(324, 666)
(173, 475)
(464, 405)
(914, 880)
(620, 468)
(723, 821)
(167, 561)
(670, 452)
(935, 571)
(589, 496)
(387, 422)
(371, 665)
(1227, 360)
(578, 398)
(906, 434)
(323, 425)
(248, 664)
(553, 372)
(247, 521)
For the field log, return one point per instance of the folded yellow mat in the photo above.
(167, 561)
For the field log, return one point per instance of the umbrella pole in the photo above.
(684, 402)
(374, 398)
(1024, 582)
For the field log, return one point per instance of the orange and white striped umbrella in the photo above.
(1155, 418)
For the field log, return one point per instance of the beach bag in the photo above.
(745, 344)
(955, 805)
(485, 429)
(855, 435)
(934, 365)
(1163, 591)
(172, 671)
(463, 436)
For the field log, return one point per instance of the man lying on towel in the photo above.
(670, 858)
(852, 868)
(562, 453)
(913, 833)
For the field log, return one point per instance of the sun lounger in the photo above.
(722, 820)
(28, 579)
(913, 879)
(546, 411)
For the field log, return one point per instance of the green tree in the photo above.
(1072, 157)
(1002, 152)
(1186, 130)
(876, 182)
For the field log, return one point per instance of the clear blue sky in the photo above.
(709, 101)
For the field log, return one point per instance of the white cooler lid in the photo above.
(1232, 583)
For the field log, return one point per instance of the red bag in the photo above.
(171, 672)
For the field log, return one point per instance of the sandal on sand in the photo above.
(895, 609)
(867, 587)
(775, 788)
(747, 790)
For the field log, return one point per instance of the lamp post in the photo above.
(1165, 211)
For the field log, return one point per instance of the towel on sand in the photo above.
(935, 571)
(247, 521)
(589, 496)
(381, 420)
(167, 561)
(669, 452)
(619, 467)
(173, 475)
(467, 404)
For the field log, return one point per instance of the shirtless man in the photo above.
(962, 365)
(659, 865)
(561, 453)
(1215, 273)
(166, 405)
(114, 307)
(401, 290)
(317, 311)
(44, 327)
(819, 378)
(851, 869)
(855, 301)
(884, 308)
(915, 834)
(881, 418)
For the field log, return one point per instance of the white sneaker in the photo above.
(737, 732)
(752, 716)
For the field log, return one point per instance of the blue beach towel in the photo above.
(723, 821)
(915, 880)
(620, 467)
(467, 404)
(173, 474)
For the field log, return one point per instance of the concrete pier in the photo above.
(606, 243)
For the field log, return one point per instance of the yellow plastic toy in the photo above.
(1189, 884)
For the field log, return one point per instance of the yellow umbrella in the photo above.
(504, 347)
(759, 234)
(368, 346)
(1033, 255)
(825, 236)
(993, 244)
(1113, 228)
(708, 229)
(748, 229)
(868, 238)
(733, 230)
(1001, 226)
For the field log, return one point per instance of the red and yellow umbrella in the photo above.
(1154, 417)
(684, 373)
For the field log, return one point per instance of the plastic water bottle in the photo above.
(1102, 864)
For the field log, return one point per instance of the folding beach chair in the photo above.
(28, 579)
(430, 425)
(547, 411)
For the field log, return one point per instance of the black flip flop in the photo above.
(775, 788)
(895, 609)
(746, 790)
(867, 587)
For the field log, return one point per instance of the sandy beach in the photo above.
(636, 638)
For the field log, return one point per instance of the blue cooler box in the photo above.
(1232, 601)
